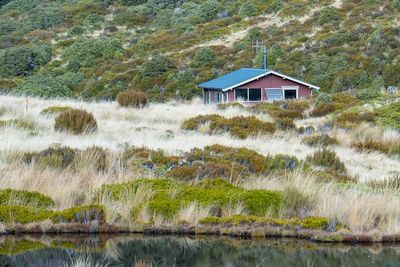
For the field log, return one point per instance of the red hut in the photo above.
(250, 85)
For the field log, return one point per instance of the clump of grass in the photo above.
(319, 140)
(132, 98)
(54, 110)
(64, 157)
(370, 144)
(322, 110)
(239, 126)
(329, 160)
(395, 148)
(225, 106)
(285, 124)
(19, 124)
(76, 121)
(383, 185)
(295, 203)
(351, 119)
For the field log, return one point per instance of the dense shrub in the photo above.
(75, 121)
(132, 98)
(328, 159)
(44, 86)
(240, 126)
(389, 115)
(155, 67)
(327, 15)
(93, 51)
(323, 98)
(23, 60)
(203, 57)
(248, 9)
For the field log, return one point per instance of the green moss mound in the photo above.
(35, 199)
(24, 215)
(315, 223)
(209, 192)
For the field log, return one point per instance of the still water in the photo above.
(144, 251)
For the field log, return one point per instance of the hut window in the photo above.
(255, 94)
(241, 94)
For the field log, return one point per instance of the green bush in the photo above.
(132, 98)
(389, 115)
(203, 57)
(327, 15)
(396, 4)
(23, 60)
(76, 121)
(248, 9)
(155, 67)
(323, 98)
(43, 19)
(92, 52)
(25, 198)
(44, 86)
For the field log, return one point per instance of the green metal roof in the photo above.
(233, 78)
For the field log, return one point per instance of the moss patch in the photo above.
(22, 197)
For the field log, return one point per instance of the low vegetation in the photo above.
(240, 126)
(76, 121)
(132, 98)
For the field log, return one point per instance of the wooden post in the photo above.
(26, 105)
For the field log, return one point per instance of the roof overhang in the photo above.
(268, 73)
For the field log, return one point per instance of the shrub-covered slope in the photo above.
(97, 48)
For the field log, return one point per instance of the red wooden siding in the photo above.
(273, 81)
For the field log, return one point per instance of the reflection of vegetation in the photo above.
(167, 251)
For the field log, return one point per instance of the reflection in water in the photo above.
(146, 251)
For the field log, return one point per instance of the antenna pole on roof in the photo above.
(265, 58)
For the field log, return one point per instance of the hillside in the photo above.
(95, 49)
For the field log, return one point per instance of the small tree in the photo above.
(132, 98)
(248, 9)
(323, 98)
(76, 121)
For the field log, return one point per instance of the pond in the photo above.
(144, 251)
